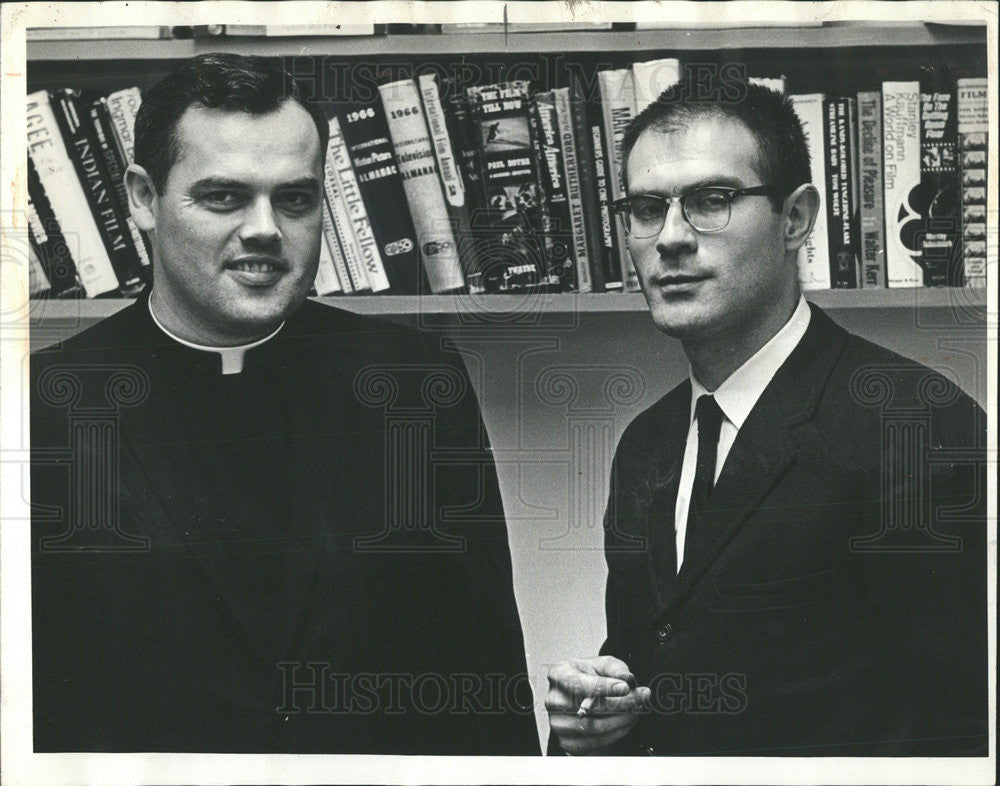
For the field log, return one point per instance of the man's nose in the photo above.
(677, 234)
(259, 222)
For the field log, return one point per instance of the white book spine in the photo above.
(341, 219)
(123, 106)
(336, 254)
(618, 108)
(360, 222)
(574, 195)
(66, 196)
(451, 180)
(326, 282)
(814, 255)
(421, 183)
(653, 77)
(901, 180)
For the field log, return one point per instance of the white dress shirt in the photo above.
(735, 397)
(232, 357)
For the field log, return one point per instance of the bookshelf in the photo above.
(903, 35)
(941, 327)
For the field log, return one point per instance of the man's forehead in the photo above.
(218, 136)
(705, 143)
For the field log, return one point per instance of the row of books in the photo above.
(902, 177)
(437, 186)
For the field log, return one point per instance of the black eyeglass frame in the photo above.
(621, 206)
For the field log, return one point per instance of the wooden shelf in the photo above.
(45, 311)
(908, 34)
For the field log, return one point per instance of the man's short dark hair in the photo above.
(241, 83)
(782, 151)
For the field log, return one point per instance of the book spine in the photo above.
(870, 191)
(618, 104)
(451, 177)
(612, 259)
(336, 252)
(421, 184)
(122, 108)
(360, 226)
(82, 148)
(367, 136)
(574, 197)
(901, 177)
(558, 272)
(327, 282)
(464, 132)
(652, 77)
(973, 124)
(340, 224)
(115, 168)
(589, 192)
(941, 191)
(814, 256)
(38, 282)
(50, 245)
(838, 215)
(67, 198)
(513, 257)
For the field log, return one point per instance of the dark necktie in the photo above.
(709, 422)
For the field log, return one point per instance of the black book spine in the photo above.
(611, 266)
(82, 149)
(842, 259)
(512, 256)
(366, 134)
(49, 244)
(588, 187)
(463, 131)
(552, 178)
(940, 181)
(115, 167)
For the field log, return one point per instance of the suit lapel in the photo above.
(764, 449)
(659, 525)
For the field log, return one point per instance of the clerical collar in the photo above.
(232, 357)
(738, 394)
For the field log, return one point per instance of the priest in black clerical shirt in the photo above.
(261, 524)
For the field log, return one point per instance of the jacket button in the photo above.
(648, 750)
(664, 632)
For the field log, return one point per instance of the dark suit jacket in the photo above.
(832, 597)
(310, 556)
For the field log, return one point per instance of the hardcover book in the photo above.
(67, 198)
(512, 256)
(560, 263)
(814, 256)
(618, 105)
(940, 186)
(901, 176)
(870, 190)
(49, 245)
(840, 229)
(357, 213)
(367, 136)
(418, 169)
(82, 147)
(574, 196)
(973, 124)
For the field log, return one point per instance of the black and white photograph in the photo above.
(446, 392)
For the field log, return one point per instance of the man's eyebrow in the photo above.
(209, 183)
(721, 181)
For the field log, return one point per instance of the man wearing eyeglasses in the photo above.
(780, 581)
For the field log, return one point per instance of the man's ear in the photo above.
(141, 197)
(801, 208)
